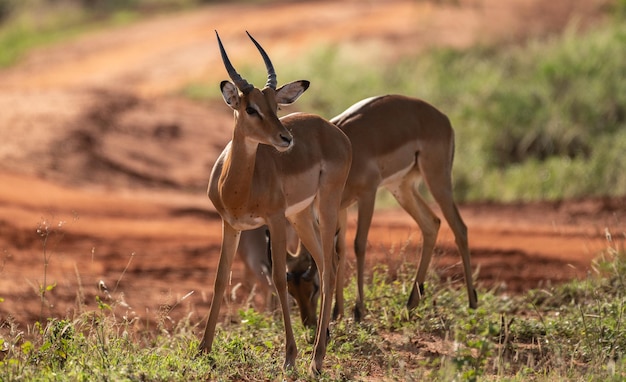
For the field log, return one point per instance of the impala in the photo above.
(272, 172)
(396, 142)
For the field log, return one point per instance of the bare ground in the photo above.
(103, 168)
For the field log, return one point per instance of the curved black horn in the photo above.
(240, 82)
(271, 74)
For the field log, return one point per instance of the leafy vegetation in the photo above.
(575, 331)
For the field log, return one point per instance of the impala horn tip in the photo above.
(271, 73)
(239, 81)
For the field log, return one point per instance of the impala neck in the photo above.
(235, 182)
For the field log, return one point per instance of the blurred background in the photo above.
(536, 91)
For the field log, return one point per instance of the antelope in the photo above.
(272, 172)
(397, 141)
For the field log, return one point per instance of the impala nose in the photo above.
(286, 139)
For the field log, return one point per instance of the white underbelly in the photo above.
(397, 176)
(245, 223)
(248, 222)
(299, 206)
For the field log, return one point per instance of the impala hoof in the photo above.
(337, 313)
(415, 297)
(473, 303)
(288, 366)
(202, 348)
(205, 355)
(315, 371)
(327, 336)
(358, 313)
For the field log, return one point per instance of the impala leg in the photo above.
(323, 253)
(308, 232)
(439, 181)
(340, 247)
(230, 240)
(277, 227)
(327, 228)
(453, 217)
(364, 221)
(408, 197)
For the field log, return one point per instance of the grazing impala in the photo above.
(302, 276)
(271, 172)
(397, 141)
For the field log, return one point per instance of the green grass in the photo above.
(544, 119)
(573, 331)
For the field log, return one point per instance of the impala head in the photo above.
(303, 283)
(255, 109)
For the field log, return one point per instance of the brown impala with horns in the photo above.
(274, 172)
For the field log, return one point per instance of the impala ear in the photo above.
(289, 93)
(230, 94)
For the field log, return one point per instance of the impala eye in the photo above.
(251, 110)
